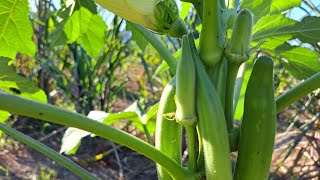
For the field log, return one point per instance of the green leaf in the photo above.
(185, 9)
(240, 105)
(12, 83)
(15, 29)
(82, 26)
(152, 113)
(279, 6)
(137, 37)
(3, 117)
(300, 62)
(308, 30)
(93, 38)
(133, 113)
(258, 7)
(88, 4)
(273, 42)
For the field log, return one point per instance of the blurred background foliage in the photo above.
(99, 63)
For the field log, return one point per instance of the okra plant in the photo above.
(203, 94)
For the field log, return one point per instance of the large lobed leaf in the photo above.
(83, 26)
(275, 30)
(261, 8)
(15, 29)
(279, 6)
(300, 62)
(308, 30)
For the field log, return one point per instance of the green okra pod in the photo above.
(212, 125)
(238, 48)
(258, 124)
(186, 86)
(168, 132)
(185, 100)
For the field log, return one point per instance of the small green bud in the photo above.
(239, 46)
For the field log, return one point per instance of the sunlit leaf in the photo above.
(258, 7)
(82, 26)
(15, 29)
(185, 9)
(300, 62)
(13, 83)
(308, 30)
(3, 117)
(279, 6)
(240, 105)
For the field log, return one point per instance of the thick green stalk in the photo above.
(168, 132)
(65, 162)
(297, 92)
(162, 50)
(18, 105)
(210, 49)
(218, 76)
(212, 125)
(231, 79)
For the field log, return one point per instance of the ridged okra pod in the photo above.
(186, 86)
(168, 132)
(185, 100)
(212, 125)
(237, 52)
(258, 124)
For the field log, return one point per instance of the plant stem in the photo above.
(231, 79)
(238, 85)
(192, 147)
(146, 131)
(297, 92)
(210, 50)
(65, 162)
(162, 50)
(16, 104)
(200, 159)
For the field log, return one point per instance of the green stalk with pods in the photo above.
(210, 49)
(200, 97)
(237, 52)
(212, 125)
